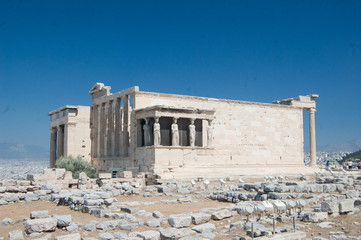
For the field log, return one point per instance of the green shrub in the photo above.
(76, 166)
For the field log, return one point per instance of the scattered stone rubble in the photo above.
(276, 205)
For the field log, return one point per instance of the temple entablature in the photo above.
(99, 90)
(176, 112)
(305, 102)
(101, 94)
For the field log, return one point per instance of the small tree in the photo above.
(76, 166)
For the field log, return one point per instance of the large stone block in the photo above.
(41, 225)
(63, 220)
(30, 197)
(346, 205)
(180, 220)
(12, 197)
(105, 175)
(107, 225)
(153, 223)
(105, 236)
(330, 207)
(327, 188)
(174, 233)
(149, 235)
(126, 174)
(204, 228)
(221, 214)
(314, 217)
(16, 235)
(39, 214)
(200, 218)
(73, 236)
(7, 221)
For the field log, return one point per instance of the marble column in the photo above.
(95, 132)
(60, 150)
(102, 145)
(125, 126)
(99, 119)
(117, 128)
(313, 159)
(110, 130)
(53, 136)
(106, 127)
(192, 133)
(156, 132)
(175, 133)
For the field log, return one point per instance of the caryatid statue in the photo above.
(156, 130)
(175, 133)
(192, 133)
(210, 134)
(146, 129)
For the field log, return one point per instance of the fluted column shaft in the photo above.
(95, 132)
(99, 119)
(117, 127)
(111, 129)
(106, 128)
(125, 126)
(53, 147)
(60, 150)
(102, 125)
(313, 160)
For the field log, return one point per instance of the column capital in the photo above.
(312, 110)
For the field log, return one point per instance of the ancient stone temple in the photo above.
(177, 136)
(70, 132)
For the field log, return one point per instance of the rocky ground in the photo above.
(322, 206)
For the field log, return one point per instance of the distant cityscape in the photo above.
(323, 157)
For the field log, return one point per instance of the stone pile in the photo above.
(348, 187)
(57, 176)
(253, 214)
(41, 222)
(12, 191)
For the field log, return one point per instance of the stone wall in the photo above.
(246, 136)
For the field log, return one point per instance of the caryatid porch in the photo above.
(174, 127)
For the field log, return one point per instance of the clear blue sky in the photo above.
(53, 52)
